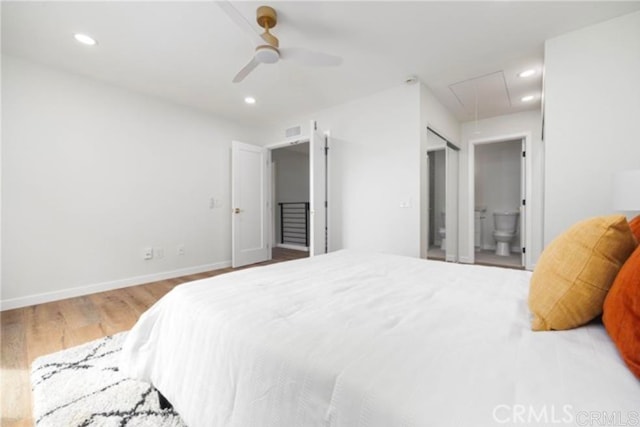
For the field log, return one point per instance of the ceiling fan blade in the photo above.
(246, 70)
(308, 57)
(241, 22)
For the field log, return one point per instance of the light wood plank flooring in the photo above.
(30, 332)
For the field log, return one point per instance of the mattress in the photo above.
(358, 339)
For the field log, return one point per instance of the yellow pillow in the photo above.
(575, 271)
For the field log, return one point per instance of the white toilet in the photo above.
(442, 232)
(505, 224)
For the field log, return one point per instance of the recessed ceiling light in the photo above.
(527, 98)
(250, 100)
(84, 39)
(527, 73)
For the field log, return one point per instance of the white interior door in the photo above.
(318, 229)
(523, 201)
(250, 204)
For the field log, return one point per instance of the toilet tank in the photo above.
(506, 221)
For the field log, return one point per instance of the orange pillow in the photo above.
(622, 312)
(635, 227)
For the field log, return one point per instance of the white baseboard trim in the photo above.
(106, 286)
(294, 247)
(465, 260)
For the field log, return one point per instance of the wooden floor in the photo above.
(30, 332)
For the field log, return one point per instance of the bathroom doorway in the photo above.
(499, 191)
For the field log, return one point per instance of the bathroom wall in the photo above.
(497, 185)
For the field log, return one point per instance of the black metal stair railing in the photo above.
(294, 223)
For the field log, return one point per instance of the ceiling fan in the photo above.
(268, 50)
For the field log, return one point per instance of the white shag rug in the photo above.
(82, 387)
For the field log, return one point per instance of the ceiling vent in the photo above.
(292, 131)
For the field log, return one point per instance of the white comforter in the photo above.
(352, 339)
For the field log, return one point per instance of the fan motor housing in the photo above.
(267, 54)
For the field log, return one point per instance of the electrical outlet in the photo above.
(180, 250)
(148, 253)
(159, 253)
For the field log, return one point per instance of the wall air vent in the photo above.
(292, 131)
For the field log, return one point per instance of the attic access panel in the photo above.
(491, 89)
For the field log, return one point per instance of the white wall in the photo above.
(592, 118)
(497, 185)
(437, 117)
(374, 168)
(292, 175)
(497, 128)
(92, 174)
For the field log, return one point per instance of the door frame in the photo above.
(528, 210)
(327, 189)
(271, 185)
(301, 139)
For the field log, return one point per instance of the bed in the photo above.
(360, 339)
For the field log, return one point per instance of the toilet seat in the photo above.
(505, 234)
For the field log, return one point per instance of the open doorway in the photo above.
(436, 168)
(253, 186)
(440, 211)
(499, 188)
(290, 196)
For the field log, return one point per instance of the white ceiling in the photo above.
(188, 52)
